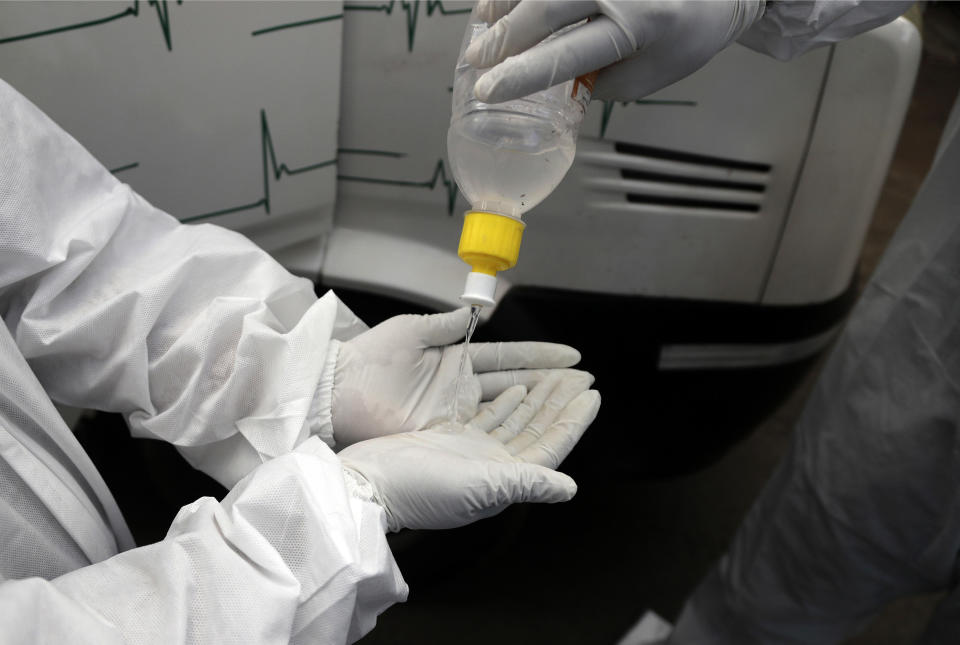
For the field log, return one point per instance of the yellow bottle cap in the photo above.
(490, 242)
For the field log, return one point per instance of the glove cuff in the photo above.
(753, 12)
(359, 487)
(321, 414)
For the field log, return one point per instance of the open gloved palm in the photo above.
(451, 474)
(401, 375)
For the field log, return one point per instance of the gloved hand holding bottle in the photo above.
(641, 47)
(450, 475)
(527, 69)
(401, 375)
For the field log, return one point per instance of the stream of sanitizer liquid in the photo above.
(471, 326)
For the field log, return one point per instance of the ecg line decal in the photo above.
(609, 105)
(299, 23)
(412, 9)
(270, 166)
(372, 153)
(129, 166)
(163, 16)
(439, 176)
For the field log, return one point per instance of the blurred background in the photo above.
(702, 253)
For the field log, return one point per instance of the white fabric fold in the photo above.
(200, 339)
(789, 28)
(321, 418)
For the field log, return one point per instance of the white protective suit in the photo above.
(865, 507)
(288, 553)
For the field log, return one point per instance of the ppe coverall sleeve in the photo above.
(288, 556)
(865, 506)
(789, 28)
(192, 332)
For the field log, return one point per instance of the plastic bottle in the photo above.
(506, 158)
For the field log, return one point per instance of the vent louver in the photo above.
(677, 181)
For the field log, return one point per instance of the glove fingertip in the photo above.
(581, 377)
(592, 400)
(490, 11)
(484, 87)
(507, 81)
(565, 486)
(444, 328)
(474, 54)
(488, 49)
(567, 356)
(583, 409)
(550, 486)
(517, 392)
(508, 400)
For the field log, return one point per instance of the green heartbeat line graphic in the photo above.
(373, 153)
(299, 23)
(412, 9)
(609, 105)
(163, 15)
(270, 166)
(129, 166)
(439, 176)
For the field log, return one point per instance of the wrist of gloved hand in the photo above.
(321, 408)
(788, 29)
(359, 487)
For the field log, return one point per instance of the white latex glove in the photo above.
(401, 375)
(639, 47)
(450, 475)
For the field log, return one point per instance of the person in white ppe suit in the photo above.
(865, 507)
(200, 339)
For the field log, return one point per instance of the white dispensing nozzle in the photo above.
(489, 242)
(479, 289)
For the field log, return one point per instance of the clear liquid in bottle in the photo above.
(506, 158)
